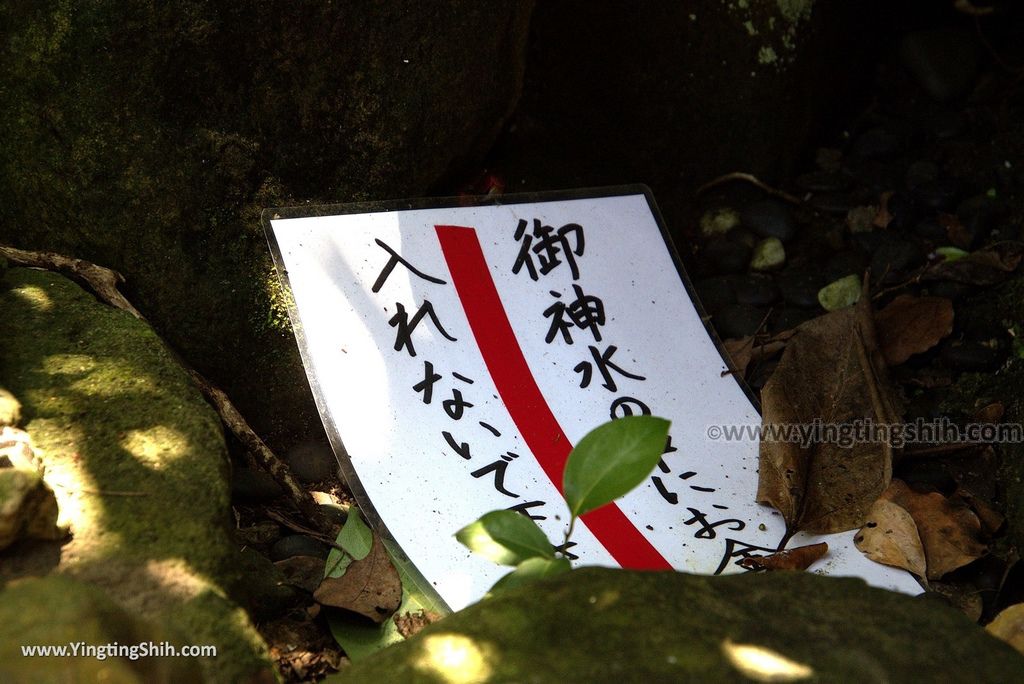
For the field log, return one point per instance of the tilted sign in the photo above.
(458, 352)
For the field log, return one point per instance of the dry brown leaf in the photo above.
(831, 371)
(910, 325)
(1009, 626)
(800, 558)
(370, 586)
(950, 531)
(890, 537)
(409, 624)
(991, 413)
(988, 266)
(745, 350)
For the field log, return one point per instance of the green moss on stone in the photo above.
(137, 460)
(601, 625)
(59, 611)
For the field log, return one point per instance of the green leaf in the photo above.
(531, 570)
(355, 536)
(357, 540)
(611, 460)
(951, 253)
(505, 537)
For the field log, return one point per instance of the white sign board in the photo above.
(458, 352)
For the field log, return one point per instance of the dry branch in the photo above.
(103, 282)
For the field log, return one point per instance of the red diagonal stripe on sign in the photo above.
(522, 397)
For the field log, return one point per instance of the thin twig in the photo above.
(912, 280)
(753, 180)
(302, 529)
(103, 282)
(100, 492)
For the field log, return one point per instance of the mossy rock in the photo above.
(147, 137)
(601, 625)
(62, 612)
(137, 461)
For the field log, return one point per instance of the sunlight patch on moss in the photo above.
(35, 296)
(454, 659)
(68, 364)
(175, 577)
(157, 447)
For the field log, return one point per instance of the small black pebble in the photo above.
(298, 545)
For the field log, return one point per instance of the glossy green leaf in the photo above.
(505, 537)
(531, 570)
(611, 460)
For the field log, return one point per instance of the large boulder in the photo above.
(147, 137)
(59, 612)
(601, 625)
(138, 464)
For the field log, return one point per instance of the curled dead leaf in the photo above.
(800, 558)
(832, 372)
(910, 325)
(370, 587)
(950, 531)
(890, 537)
